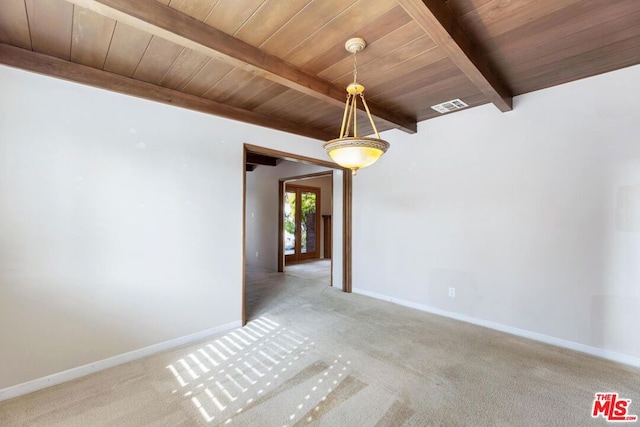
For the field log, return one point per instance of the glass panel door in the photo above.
(301, 224)
(308, 221)
(290, 222)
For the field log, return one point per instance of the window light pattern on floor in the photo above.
(242, 370)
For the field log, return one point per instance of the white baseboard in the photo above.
(559, 342)
(81, 371)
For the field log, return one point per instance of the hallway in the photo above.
(262, 289)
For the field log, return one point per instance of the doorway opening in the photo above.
(305, 225)
(308, 239)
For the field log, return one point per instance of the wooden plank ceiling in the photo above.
(282, 64)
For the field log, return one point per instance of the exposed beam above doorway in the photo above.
(261, 159)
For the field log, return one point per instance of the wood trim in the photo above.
(347, 183)
(293, 157)
(281, 185)
(59, 68)
(436, 19)
(307, 176)
(244, 237)
(261, 159)
(170, 24)
(327, 237)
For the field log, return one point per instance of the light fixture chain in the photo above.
(355, 67)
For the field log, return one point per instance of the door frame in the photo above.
(281, 188)
(299, 189)
(347, 183)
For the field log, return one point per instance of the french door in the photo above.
(301, 223)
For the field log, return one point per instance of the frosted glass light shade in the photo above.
(355, 152)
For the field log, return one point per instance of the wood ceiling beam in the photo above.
(436, 19)
(59, 68)
(170, 24)
(261, 159)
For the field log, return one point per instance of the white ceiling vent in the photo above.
(453, 105)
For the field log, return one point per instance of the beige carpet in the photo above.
(314, 355)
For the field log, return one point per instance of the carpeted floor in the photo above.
(311, 354)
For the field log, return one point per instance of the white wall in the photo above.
(120, 219)
(533, 216)
(120, 222)
(262, 210)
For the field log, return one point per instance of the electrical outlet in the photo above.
(452, 292)
(257, 254)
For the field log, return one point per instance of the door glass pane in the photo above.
(308, 222)
(289, 223)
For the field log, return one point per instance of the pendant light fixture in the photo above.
(350, 150)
